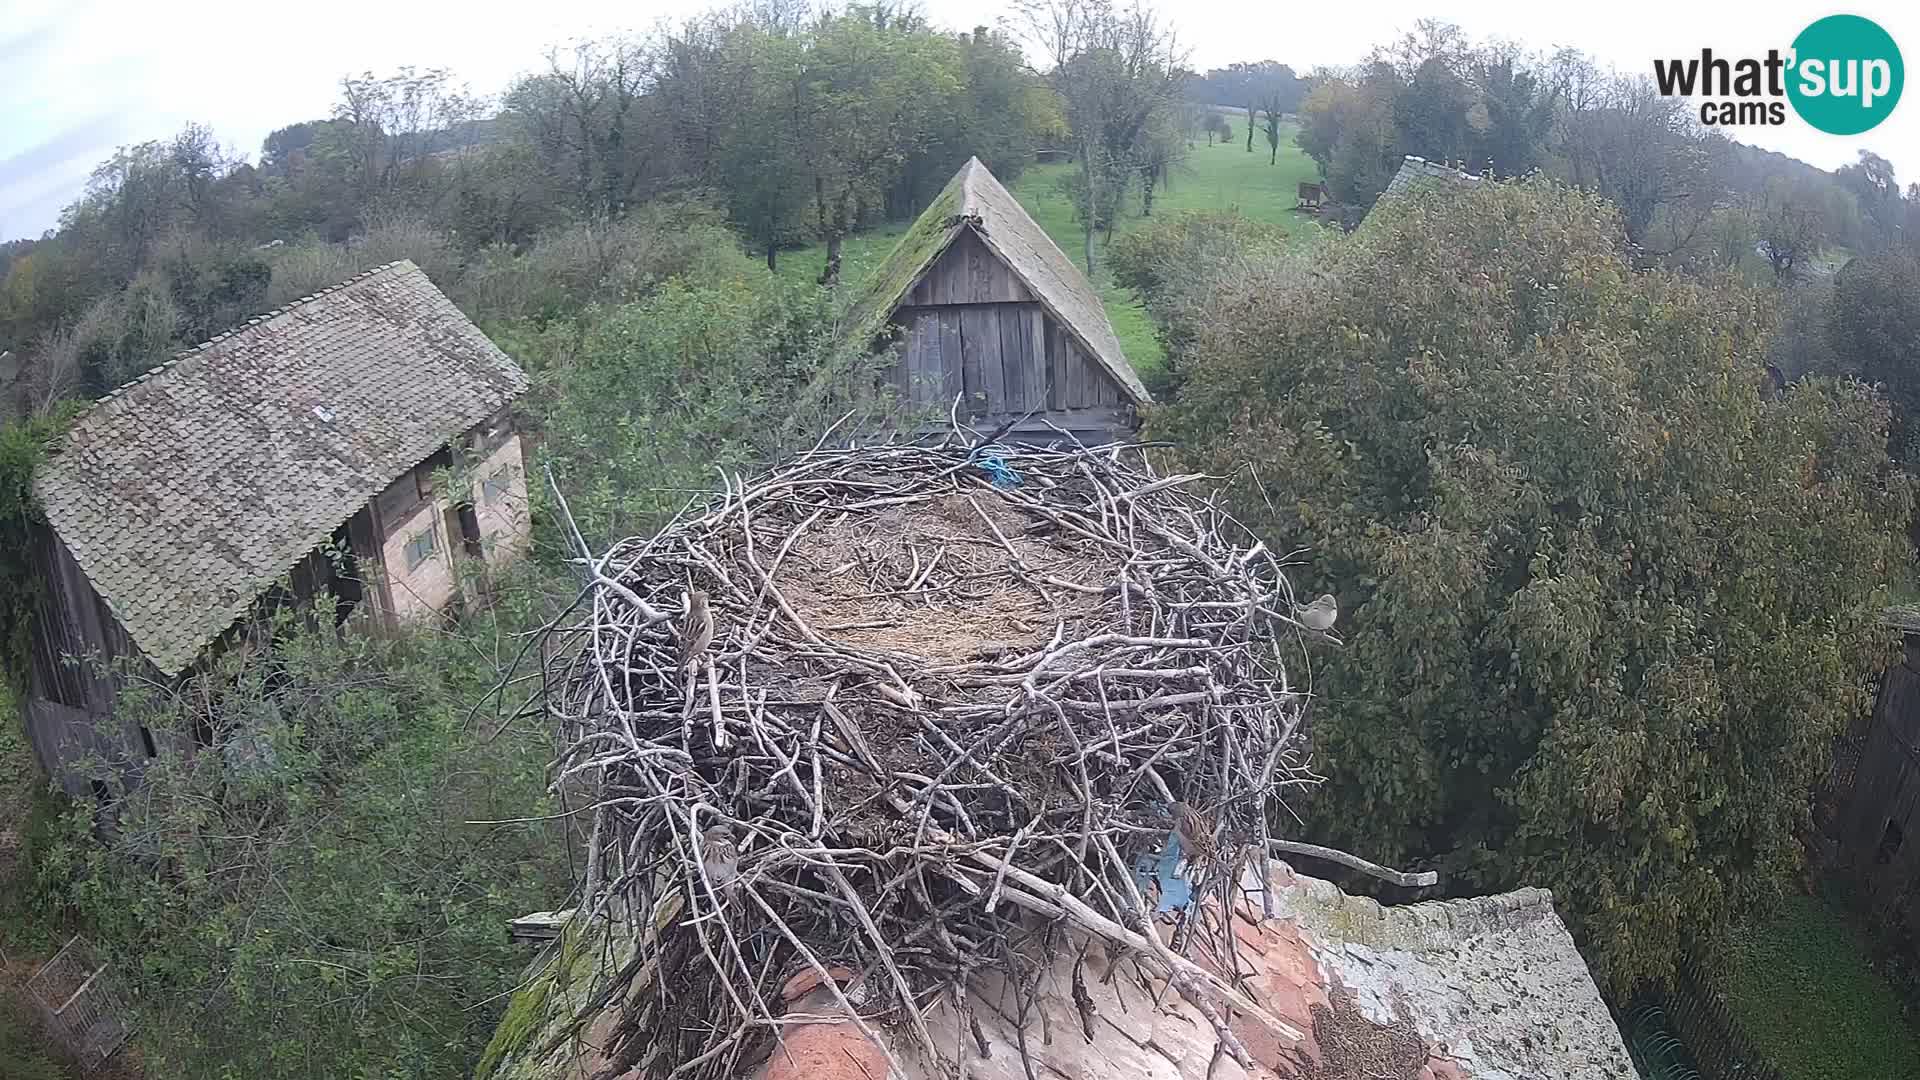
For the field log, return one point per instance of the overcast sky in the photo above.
(80, 77)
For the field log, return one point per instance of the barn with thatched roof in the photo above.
(989, 312)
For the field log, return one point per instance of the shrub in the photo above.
(313, 877)
(304, 268)
(604, 261)
(1172, 263)
(1609, 604)
(644, 402)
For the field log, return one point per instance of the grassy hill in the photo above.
(1218, 177)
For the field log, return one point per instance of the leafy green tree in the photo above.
(871, 87)
(1512, 120)
(644, 401)
(1874, 322)
(1346, 126)
(1118, 75)
(1431, 113)
(1001, 114)
(1272, 112)
(595, 135)
(1609, 601)
(1873, 184)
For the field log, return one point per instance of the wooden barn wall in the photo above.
(71, 691)
(72, 621)
(1884, 786)
(1004, 360)
(968, 274)
(973, 329)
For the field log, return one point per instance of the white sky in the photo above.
(80, 77)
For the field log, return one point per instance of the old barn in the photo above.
(1874, 791)
(987, 310)
(352, 444)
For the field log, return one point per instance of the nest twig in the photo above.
(952, 701)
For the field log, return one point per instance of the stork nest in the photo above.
(953, 702)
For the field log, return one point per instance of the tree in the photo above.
(1002, 112)
(389, 128)
(1874, 320)
(1117, 74)
(589, 124)
(1871, 179)
(1643, 152)
(1609, 602)
(1347, 127)
(1271, 111)
(872, 84)
(1512, 120)
(1432, 113)
(1790, 226)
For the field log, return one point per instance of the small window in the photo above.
(419, 548)
(495, 488)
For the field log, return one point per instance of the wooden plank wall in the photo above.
(968, 274)
(974, 329)
(1885, 787)
(72, 621)
(74, 683)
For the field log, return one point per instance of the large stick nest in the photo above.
(953, 702)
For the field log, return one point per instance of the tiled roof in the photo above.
(975, 200)
(1489, 988)
(185, 493)
(1904, 618)
(1417, 173)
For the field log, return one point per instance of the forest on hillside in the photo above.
(1610, 586)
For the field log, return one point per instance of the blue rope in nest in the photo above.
(991, 460)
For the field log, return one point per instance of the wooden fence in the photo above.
(1700, 1016)
(80, 1004)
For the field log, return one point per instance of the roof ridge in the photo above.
(194, 350)
(1422, 924)
(969, 195)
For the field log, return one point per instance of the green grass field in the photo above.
(1219, 177)
(1803, 988)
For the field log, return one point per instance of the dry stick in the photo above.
(1076, 911)
(885, 953)
(832, 984)
(1000, 876)
(1355, 862)
(713, 702)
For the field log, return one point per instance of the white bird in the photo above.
(1319, 615)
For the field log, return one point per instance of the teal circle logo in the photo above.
(1846, 76)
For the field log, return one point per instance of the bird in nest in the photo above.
(720, 857)
(1194, 832)
(696, 629)
(1320, 615)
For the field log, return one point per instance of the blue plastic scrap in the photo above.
(1162, 877)
(997, 469)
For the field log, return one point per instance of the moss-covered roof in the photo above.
(975, 200)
